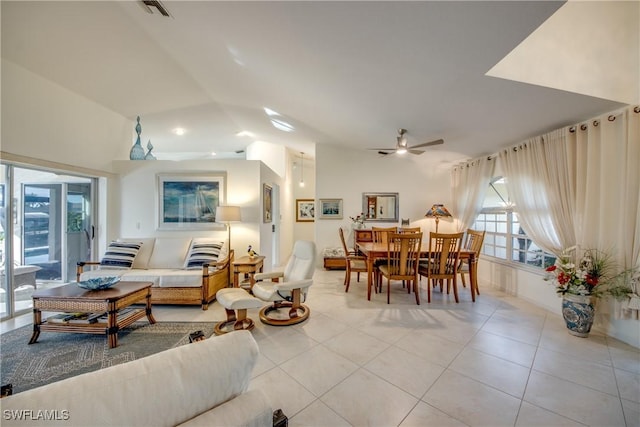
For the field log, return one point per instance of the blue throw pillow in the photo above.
(203, 253)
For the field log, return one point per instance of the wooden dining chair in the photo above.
(409, 230)
(473, 242)
(380, 235)
(353, 261)
(442, 261)
(403, 252)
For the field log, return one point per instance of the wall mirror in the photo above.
(383, 207)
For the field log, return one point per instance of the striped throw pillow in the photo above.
(120, 255)
(202, 253)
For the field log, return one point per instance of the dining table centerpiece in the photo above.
(581, 280)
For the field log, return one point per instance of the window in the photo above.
(504, 238)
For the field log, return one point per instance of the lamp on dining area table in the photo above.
(437, 211)
(227, 215)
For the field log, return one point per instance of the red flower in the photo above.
(593, 281)
(551, 268)
(563, 278)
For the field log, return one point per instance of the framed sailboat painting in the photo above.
(189, 201)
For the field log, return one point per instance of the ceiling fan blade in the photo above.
(412, 151)
(382, 149)
(428, 144)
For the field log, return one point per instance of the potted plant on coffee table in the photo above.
(582, 280)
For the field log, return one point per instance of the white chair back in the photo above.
(302, 263)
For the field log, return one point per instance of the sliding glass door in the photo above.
(51, 229)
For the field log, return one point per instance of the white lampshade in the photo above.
(228, 214)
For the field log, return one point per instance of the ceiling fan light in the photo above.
(401, 150)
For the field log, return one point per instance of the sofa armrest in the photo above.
(249, 409)
(80, 267)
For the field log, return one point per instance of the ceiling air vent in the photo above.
(149, 4)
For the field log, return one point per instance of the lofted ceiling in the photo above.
(347, 73)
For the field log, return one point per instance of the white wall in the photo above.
(137, 205)
(43, 120)
(302, 230)
(345, 174)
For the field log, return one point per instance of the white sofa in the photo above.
(163, 261)
(199, 384)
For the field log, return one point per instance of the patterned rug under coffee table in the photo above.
(57, 356)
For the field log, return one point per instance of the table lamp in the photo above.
(227, 215)
(437, 211)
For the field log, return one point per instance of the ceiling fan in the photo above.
(402, 147)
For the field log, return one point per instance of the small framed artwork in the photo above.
(305, 210)
(267, 206)
(189, 201)
(330, 209)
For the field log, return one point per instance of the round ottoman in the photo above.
(233, 299)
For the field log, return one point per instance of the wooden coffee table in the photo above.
(73, 299)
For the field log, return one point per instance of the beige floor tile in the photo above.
(405, 370)
(320, 328)
(575, 369)
(426, 345)
(504, 348)
(283, 344)
(631, 413)
(356, 346)
(363, 399)
(628, 385)
(526, 329)
(426, 415)
(319, 369)
(574, 401)
(472, 402)
(283, 391)
(625, 357)
(533, 416)
(317, 415)
(555, 337)
(503, 375)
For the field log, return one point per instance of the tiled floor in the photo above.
(498, 361)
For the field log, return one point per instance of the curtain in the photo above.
(540, 179)
(470, 182)
(608, 185)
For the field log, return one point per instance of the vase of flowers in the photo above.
(358, 221)
(581, 281)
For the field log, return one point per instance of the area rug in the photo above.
(57, 356)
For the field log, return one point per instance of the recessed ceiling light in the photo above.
(179, 131)
(246, 133)
(213, 153)
(282, 125)
(270, 112)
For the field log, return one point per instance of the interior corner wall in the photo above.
(302, 230)
(137, 207)
(43, 120)
(275, 248)
(272, 155)
(343, 173)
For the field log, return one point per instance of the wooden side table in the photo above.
(247, 266)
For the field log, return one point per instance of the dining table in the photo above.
(376, 250)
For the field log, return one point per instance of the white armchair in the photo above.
(288, 288)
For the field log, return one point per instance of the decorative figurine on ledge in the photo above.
(251, 252)
(137, 152)
(149, 155)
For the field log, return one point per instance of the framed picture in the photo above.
(305, 210)
(330, 208)
(189, 201)
(267, 206)
(383, 207)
